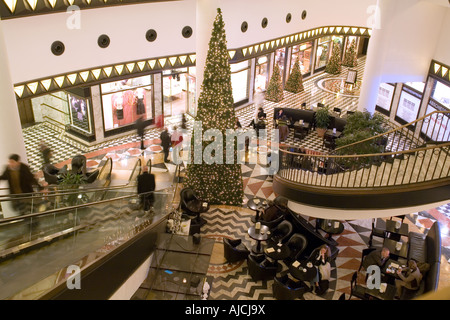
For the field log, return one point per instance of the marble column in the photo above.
(206, 13)
(11, 137)
(375, 56)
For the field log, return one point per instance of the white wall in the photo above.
(319, 13)
(29, 39)
(411, 38)
(442, 53)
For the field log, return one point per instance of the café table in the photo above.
(391, 245)
(258, 205)
(390, 268)
(330, 133)
(261, 234)
(277, 251)
(388, 294)
(396, 233)
(331, 227)
(304, 271)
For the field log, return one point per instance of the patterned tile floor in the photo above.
(233, 282)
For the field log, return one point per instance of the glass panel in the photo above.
(239, 84)
(303, 53)
(408, 106)
(322, 53)
(80, 113)
(175, 94)
(126, 84)
(385, 95)
(280, 55)
(262, 73)
(90, 232)
(239, 66)
(419, 86)
(441, 93)
(438, 125)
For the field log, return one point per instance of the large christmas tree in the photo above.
(334, 65)
(218, 181)
(275, 91)
(295, 82)
(350, 59)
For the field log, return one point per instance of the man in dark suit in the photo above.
(21, 180)
(377, 257)
(140, 128)
(166, 143)
(146, 183)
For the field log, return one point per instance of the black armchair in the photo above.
(297, 244)
(281, 232)
(376, 231)
(234, 250)
(286, 289)
(357, 290)
(259, 268)
(329, 142)
(192, 205)
(365, 252)
(49, 175)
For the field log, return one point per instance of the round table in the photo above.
(305, 271)
(259, 235)
(277, 252)
(257, 204)
(331, 227)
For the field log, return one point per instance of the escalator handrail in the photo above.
(79, 206)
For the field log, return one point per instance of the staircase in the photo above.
(412, 161)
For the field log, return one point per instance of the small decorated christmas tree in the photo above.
(295, 82)
(275, 91)
(217, 182)
(334, 65)
(350, 59)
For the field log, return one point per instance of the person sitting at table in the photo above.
(377, 257)
(320, 258)
(410, 280)
(279, 115)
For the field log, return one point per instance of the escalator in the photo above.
(36, 247)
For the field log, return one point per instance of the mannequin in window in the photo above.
(140, 104)
(118, 104)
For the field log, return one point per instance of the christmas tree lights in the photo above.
(219, 182)
(295, 82)
(275, 91)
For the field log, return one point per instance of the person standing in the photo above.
(140, 128)
(21, 181)
(146, 184)
(166, 143)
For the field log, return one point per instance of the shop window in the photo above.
(323, 52)
(384, 99)
(262, 73)
(179, 91)
(302, 52)
(440, 92)
(408, 106)
(280, 59)
(240, 77)
(80, 113)
(437, 127)
(126, 100)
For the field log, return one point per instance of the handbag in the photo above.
(325, 271)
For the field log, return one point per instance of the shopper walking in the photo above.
(166, 143)
(146, 184)
(140, 128)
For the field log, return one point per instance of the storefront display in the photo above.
(409, 105)
(262, 72)
(79, 111)
(280, 59)
(240, 77)
(126, 100)
(178, 90)
(302, 52)
(322, 52)
(385, 95)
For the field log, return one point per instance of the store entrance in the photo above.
(178, 91)
(25, 112)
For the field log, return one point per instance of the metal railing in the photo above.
(368, 170)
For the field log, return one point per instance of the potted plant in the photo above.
(322, 120)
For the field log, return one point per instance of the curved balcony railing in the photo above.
(368, 170)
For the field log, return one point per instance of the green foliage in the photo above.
(322, 117)
(350, 59)
(334, 64)
(275, 91)
(361, 126)
(72, 180)
(216, 183)
(295, 82)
